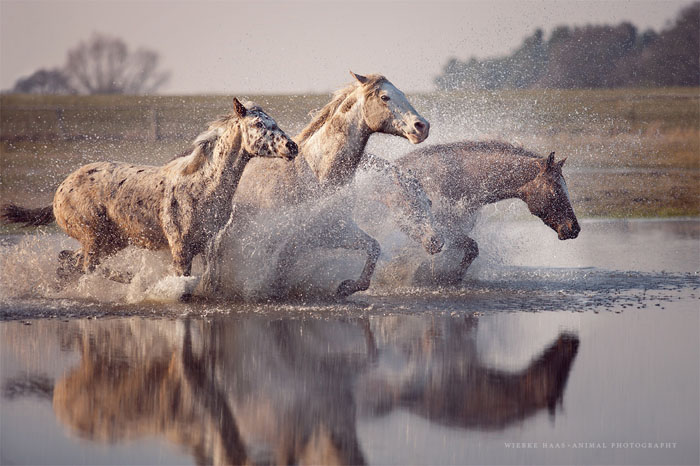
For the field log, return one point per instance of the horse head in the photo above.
(387, 110)
(547, 197)
(261, 137)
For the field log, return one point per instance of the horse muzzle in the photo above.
(290, 151)
(418, 131)
(568, 231)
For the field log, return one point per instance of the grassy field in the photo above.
(632, 152)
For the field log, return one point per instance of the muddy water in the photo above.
(551, 352)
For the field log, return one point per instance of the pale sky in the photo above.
(298, 46)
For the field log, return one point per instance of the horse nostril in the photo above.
(419, 125)
(292, 148)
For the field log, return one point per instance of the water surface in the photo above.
(550, 352)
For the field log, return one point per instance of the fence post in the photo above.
(155, 124)
(61, 123)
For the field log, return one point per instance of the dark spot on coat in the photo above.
(122, 182)
(139, 171)
(92, 170)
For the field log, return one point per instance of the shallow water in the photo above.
(551, 352)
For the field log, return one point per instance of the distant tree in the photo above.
(673, 59)
(518, 70)
(590, 56)
(44, 82)
(105, 65)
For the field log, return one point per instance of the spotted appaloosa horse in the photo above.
(461, 177)
(107, 206)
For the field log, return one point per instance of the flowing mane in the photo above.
(207, 139)
(202, 148)
(320, 117)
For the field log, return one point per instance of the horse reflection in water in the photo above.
(290, 390)
(132, 382)
(432, 369)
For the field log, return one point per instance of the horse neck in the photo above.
(335, 150)
(512, 173)
(226, 166)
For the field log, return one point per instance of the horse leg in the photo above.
(69, 264)
(85, 260)
(90, 254)
(182, 259)
(285, 259)
(471, 251)
(358, 240)
(346, 235)
(213, 251)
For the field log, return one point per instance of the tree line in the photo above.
(100, 65)
(594, 56)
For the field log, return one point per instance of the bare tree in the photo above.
(44, 82)
(105, 65)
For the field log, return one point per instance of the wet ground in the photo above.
(575, 352)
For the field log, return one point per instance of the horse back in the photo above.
(116, 200)
(476, 172)
(443, 170)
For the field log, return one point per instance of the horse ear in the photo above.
(561, 162)
(550, 161)
(361, 79)
(239, 108)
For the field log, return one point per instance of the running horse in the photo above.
(108, 206)
(462, 177)
(331, 148)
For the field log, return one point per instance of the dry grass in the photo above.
(631, 152)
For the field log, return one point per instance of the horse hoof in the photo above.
(346, 288)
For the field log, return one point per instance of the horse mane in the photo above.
(206, 140)
(202, 148)
(194, 158)
(320, 117)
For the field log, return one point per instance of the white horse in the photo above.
(332, 147)
(108, 206)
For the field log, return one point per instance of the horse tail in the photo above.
(12, 213)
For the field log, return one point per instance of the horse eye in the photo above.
(258, 124)
(385, 98)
